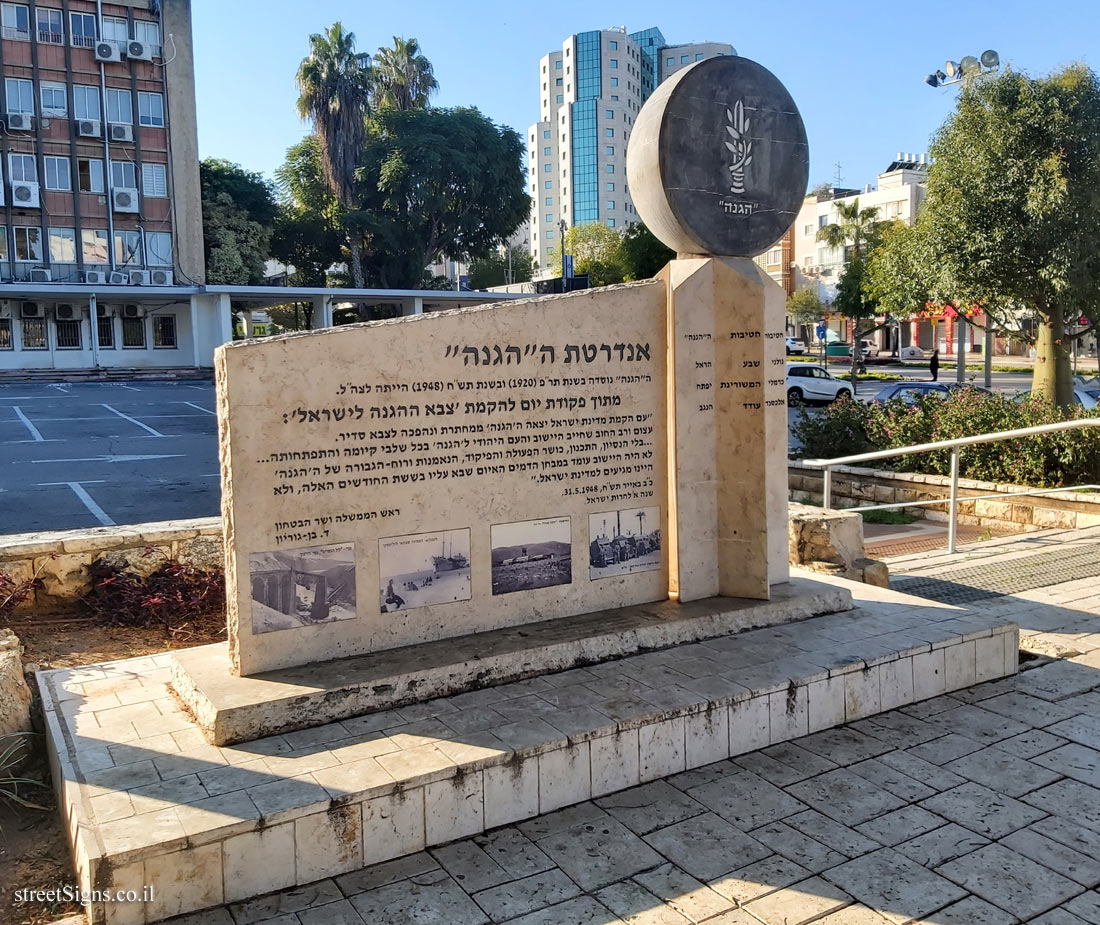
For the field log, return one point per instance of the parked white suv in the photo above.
(808, 382)
(794, 345)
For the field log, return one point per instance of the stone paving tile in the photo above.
(513, 852)
(746, 800)
(634, 904)
(1010, 881)
(969, 911)
(519, 897)
(801, 902)
(941, 845)
(583, 910)
(1085, 730)
(1078, 867)
(1069, 833)
(944, 749)
(845, 797)
(470, 866)
(759, 879)
(285, 902)
(1071, 799)
(598, 853)
(706, 846)
(895, 886)
(342, 913)
(891, 779)
(844, 745)
(1058, 917)
(692, 899)
(1086, 906)
(1003, 772)
(650, 807)
(920, 770)
(798, 847)
(1031, 743)
(900, 825)
(430, 897)
(832, 833)
(802, 760)
(985, 811)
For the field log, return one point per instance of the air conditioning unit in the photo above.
(125, 200)
(88, 128)
(31, 310)
(121, 131)
(118, 278)
(24, 195)
(64, 312)
(161, 277)
(20, 122)
(39, 275)
(107, 51)
(133, 311)
(139, 51)
(95, 277)
(139, 277)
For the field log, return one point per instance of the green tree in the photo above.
(496, 269)
(642, 254)
(334, 85)
(596, 251)
(238, 210)
(1011, 221)
(403, 77)
(805, 305)
(432, 182)
(857, 233)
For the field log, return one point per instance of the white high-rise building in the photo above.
(590, 95)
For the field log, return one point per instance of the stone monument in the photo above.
(396, 484)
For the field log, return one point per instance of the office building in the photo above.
(590, 94)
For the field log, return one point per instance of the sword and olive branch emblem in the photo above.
(739, 145)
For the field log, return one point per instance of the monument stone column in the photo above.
(717, 167)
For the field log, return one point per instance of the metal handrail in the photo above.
(955, 446)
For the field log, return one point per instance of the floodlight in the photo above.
(990, 59)
(932, 80)
(970, 66)
(952, 68)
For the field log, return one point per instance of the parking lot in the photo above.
(90, 454)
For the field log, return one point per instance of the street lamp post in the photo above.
(561, 247)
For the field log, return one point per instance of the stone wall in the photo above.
(854, 486)
(832, 542)
(61, 559)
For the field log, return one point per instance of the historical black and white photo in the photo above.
(624, 541)
(531, 554)
(423, 568)
(302, 587)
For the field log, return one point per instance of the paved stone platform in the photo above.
(147, 800)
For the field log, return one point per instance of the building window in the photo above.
(49, 26)
(557, 65)
(5, 334)
(613, 45)
(133, 332)
(120, 107)
(549, 200)
(610, 187)
(123, 175)
(684, 59)
(546, 151)
(699, 56)
(610, 204)
(822, 221)
(610, 168)
(154, 180)
(614, 81)
(89, 175)
(68, 335)
(158, 249)
(62, 245)
(164, 331)
(609, 150)
(16, 19)
(775, 255)
(148, 33)
(82, 31)
(558, 82)
(545, 133)
(609, 132)
(53, 99)
(614, 62)
(128, 248)
(22, 168)
(19, 94)
(549, 184)
(58, 173)
(104, 329)
(93, 245)
(547, 168)
(151, 109)
(116, 30)
(86, 102)
(614, 98)
(670, 62)
(550, 235)
(34, 334)
(559, 98)
(609, 114)
(549, 218)
(611, 223)
(28, 244)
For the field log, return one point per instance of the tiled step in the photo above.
(149, 801)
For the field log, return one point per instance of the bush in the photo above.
(13, 593)
(1054, 460)
(174, 596)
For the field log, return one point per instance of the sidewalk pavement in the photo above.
(979, 807)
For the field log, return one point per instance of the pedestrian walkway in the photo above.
(884, 541)
(979, 807)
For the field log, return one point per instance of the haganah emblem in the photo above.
(739, 145)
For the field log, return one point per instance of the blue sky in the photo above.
(854, 67)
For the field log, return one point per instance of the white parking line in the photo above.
(78, 489)
(34, 430)
(197, 407)
(132, 389)
(145, 427)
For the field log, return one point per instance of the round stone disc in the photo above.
(718, 161)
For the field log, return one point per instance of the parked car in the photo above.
(870, 348)
(794, 345)
(808, 382)
(1086, 397)
(911, 390)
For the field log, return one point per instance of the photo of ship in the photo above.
(423, 568)
(624, 541)
(531, 554)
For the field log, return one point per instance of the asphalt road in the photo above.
(89, 454)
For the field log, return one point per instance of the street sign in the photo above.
(822, 330)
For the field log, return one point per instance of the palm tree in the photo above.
(403, 76)
(860, 230)
(334, 86)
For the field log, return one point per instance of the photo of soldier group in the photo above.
(624, 541)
